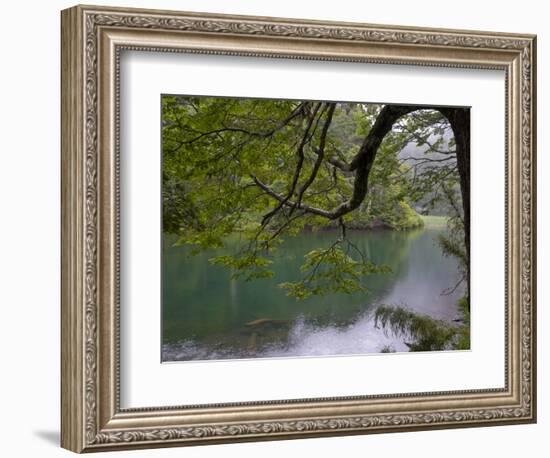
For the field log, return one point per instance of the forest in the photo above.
(245, 179)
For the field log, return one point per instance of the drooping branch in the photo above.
(339, 164)
(363, 160)
(306, 137)
(361, 164)
(421, 136)
(320, 153)
(296, 112)
(335, 162)
(287, 202)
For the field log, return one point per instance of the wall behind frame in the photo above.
(29, 233)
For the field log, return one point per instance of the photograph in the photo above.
(303, 228)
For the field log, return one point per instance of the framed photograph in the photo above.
(279, 228)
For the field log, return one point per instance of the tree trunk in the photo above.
(459, 119)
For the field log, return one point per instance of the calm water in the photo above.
(209, 315)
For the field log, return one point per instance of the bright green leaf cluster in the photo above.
(331, 270)
(248, 266)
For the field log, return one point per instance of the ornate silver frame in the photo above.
(92, 38)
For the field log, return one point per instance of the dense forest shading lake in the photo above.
(207, 314)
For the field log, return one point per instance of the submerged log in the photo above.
(265, 321)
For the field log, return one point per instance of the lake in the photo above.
(207, 315)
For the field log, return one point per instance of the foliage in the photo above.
(463, 334)
(452, 242)
(388, 203)
(435, 221)
(425, 333)
(248, 266)
(269, 169)
(331, 270)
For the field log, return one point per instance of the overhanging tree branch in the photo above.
(320, 153)
(287, 202)
(306, 137)
(361, 164)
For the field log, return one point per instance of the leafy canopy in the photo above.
(269, 169)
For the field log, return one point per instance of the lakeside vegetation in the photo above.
(434, 221)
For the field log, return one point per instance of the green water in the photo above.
(208, 315)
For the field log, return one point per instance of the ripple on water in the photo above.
(304, 339)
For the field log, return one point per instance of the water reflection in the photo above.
(209, 315)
